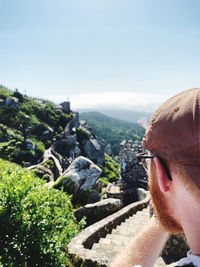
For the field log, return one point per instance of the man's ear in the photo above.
(163, 180)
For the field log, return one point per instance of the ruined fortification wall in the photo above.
(132, 171)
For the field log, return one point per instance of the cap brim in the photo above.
(193, 171)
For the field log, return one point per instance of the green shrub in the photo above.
(4, 92)
(17, 151)
(11, 150)
(82, 135)
(18, 95)
(60, 129)
(110, 170)
(39, 147)
(36, 223)
(49, 164)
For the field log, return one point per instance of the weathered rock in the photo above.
(108, 150)
(99, 210)
(71, 140)
(98, 186)
(87, 196)
(93, 149)
(29, 144)
(81, 176)
(67, 147)
(93, 197)
(47, 134)
(75, 152)
(175, 248)
(12, 102)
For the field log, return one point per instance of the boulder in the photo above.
(98, 186)
(46, 134)
(108, 150)
(67, 147)
(94, 150)
(87, 196)
(93, 197)
(79, 178)
(75, 152)
(29, 144)
(175, 248)
(12, 102)
(99, 210)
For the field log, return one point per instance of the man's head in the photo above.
(173, 134)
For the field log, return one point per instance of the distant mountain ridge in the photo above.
(112, 131)
(126, 115)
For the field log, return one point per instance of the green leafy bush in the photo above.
(39, 147)
(50, 164)
(36, 223)
(17, 151)
(11, 150)
(82, 135)
(110, 170)
(18, 95)
(4, 92)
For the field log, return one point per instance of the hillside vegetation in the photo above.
(41, 123)
(28, 121)
(112, 131)
(110, 171)
(36, 223)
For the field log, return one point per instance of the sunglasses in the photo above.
(142, 159)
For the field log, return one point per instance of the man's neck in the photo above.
(191, 229)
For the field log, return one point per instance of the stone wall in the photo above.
(132, 171)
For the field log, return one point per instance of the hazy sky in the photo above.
(100, 52)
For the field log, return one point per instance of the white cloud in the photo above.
(113, 100)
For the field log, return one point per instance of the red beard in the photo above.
(160, 206)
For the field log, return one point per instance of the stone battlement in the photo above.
(132, 171)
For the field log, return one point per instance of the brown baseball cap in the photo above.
(173, 132)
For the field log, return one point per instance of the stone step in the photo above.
(126, 231)
(114, 243)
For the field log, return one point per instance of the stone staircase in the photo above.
(98, 244)
(113, 243)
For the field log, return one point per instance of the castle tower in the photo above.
(66, 106)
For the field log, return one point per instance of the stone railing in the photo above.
(74, 122)
(55, 154)
(80, 246)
